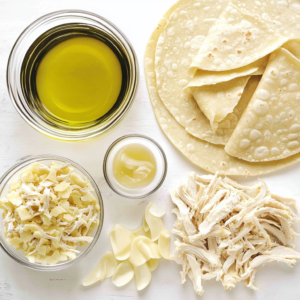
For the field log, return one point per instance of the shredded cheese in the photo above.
(48, 212)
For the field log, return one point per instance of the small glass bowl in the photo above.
(18, 255)
(161, 163)
(27, 108)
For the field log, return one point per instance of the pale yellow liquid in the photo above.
(134, 166)
(79, 80)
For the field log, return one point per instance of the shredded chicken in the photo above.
(226, 230)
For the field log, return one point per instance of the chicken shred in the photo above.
(227, 230)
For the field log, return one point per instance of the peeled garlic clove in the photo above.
(164, 243)
(142, 276)
(152, 264)
(156, 211)
(123, 274)
(148, 248)
(121, 239)
(137, 258)
(105, 268)
(145, 225)
(155, 224)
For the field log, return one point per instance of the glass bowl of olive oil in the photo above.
(72, 75)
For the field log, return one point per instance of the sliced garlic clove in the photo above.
(142, 276)
(148, 248)
(105, 269)
(123, 274)
(143, 249)
(155, 224)
(111, 264)
(137, 258)
(152, 264)
(164, 244)
(98, 274)
(141, 232)
(121, 239)
(156, 211)
(145, 225)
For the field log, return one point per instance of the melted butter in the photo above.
(134, 166)
(79, 80)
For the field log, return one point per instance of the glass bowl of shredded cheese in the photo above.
(51, 212)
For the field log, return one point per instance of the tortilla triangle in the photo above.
(236, 40)
(269, 128)
(219, 100)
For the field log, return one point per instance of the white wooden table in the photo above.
(137, 19)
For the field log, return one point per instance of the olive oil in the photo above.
(79, 80)
(134, 166)
(75, 76)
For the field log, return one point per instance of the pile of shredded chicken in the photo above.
(227, 230)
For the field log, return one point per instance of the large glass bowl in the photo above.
(18, 255)
(25, 103)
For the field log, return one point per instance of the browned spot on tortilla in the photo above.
(244, 42)
(194, 119)
(273, 73)
(210, 55)
(215, 49)
(224, 41)
(248, 39)
(239, 51)
(239, 94)
(248, 34)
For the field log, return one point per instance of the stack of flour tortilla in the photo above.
(224, 81)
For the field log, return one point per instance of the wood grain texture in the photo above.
(137, 19)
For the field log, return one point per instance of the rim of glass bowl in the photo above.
(162, 179)
(24, 41)
(4, 180)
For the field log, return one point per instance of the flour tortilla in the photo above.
(236, 40)
(211, 158)
(270, 126)
(219, 100)
(281, 15)
(203, 77)
(293, 46)
(178, 43)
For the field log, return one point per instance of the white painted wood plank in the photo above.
(137, 19)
